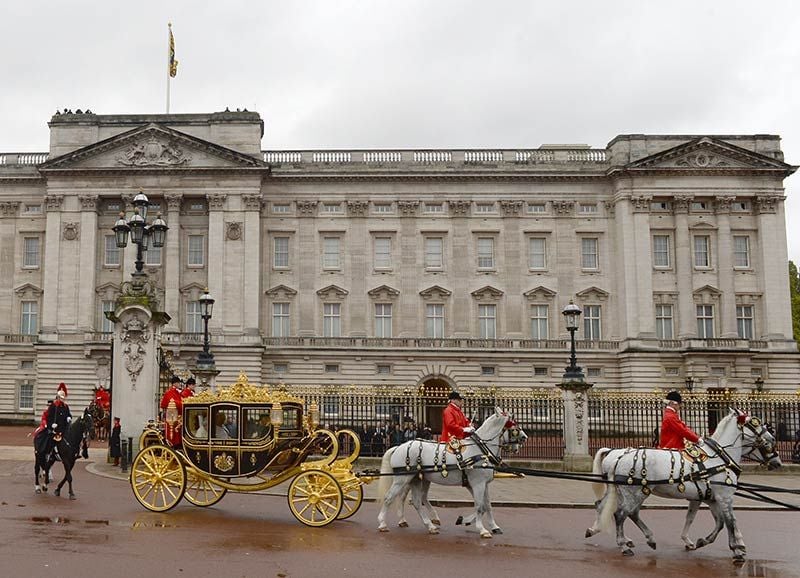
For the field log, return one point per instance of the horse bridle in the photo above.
(766, 449)
(514, 435)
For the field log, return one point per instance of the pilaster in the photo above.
(216, 257)
(252, 262)
(52, 264)
(687, 321)
(87, 303)
(172, 261)
(8, 213)
(774, 259)
(725, 263)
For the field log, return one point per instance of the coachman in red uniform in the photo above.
(454, 423)
(188, 388)
(673, 430)
(172, 410)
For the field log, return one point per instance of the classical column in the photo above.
(687, 321)
(52, 263)
(252, 263)
(8, 213)
(172, 261)
(727, 303)
(777, 324)
(87, 267)
(216, 256)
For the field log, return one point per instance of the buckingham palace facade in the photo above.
(417, 267)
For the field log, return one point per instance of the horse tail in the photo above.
(386, 468)
(597, 468)
(606, 516)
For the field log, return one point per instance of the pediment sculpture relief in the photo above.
(153, 152)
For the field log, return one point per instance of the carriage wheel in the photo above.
(201, 492)
(353, 495)
(315, 498)
(158, 478)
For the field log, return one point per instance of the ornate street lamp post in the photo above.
(572, 313)
(689, 383)
(206, 368)
(142, 234)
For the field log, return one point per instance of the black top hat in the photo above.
(191, 381)
(674, 396)
(454, 395)
(174, 379)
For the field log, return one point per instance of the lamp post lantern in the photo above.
(573, 371)
(206, 358)
(142, 234)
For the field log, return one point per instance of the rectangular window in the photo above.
(33, 209)
(152, 257)
(538, 259)
(280, 252)
(699, 206)
(740, 206)
(591, 322)
(106, 325)
(744, 321)
(487, 370)
(331, 207)
(485, 253)
(330, 253)
(26, 364)
(660, 206)
(701, 255)
(661, 251)
(434, 321)
(31, 254)
(484, 207)
(587, 209)
(539, 321)
(194, 321)
(383, 320)
(382, 253)
(664, 321)
(197, 206)
(383, 369)
(280, 208)
(332, 319)
(280, 367)
(487, 321)
(196, 251)
(537, 208)
(29, 323)
(382, 208)
(540, 371)
(705, 321)
(280, 320)
(741, 251)
(593, 372)
(112, 252)
(25, 397)
(589, 258)
(434, 207)
(331, 368)
(433, 253)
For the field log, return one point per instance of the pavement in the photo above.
(528, 491)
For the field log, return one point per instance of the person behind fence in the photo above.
(673, 431)
(114, 442)
(454, 423)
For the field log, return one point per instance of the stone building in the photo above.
(424, 268)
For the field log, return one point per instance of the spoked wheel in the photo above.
(315, 498)
(353, 495)
(201, 492)
(158, 478)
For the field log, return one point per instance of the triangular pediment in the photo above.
(592, 294)
(332, 291)
(435, 292)
(193, 290)
(709, 289)
(383, 292)
(281, 291)
(487, 292)
(709, 154)
(28, 290)
(149, 147)
(541, 292)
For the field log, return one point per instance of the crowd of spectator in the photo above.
(379, 436)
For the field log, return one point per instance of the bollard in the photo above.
(130, 450)
(124, 458)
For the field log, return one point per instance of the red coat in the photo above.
(674, 431)
(453, 423)
(186, 392)
(172, 422)
(102, 398)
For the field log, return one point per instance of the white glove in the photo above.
(469, 430)
(700, 443)
(54, 426)
(69, 419)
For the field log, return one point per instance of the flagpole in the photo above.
(169, 63)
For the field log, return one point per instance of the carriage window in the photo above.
(197, 423)
(257, 420)
(291, 418)
(225, 423)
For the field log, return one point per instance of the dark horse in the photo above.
(69, 448)
(102, 422)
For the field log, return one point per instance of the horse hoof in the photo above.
(433, 530)
(497, 531)
(690, 547)
(383, 529)
(57, 493)
(629, 543)
(402, 525)
(459, 520)
(38, 490)
(72, 496)
(627, 552)
(738, 560)
(486, 535)
(700, 543)
(436, 522)
(652, 545)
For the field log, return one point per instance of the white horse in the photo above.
(416, 464)
(706, 475)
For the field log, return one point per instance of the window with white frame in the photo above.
(280, 252)
(537, 249)
(280, 208)
(382, 208)
(485, 253)
(537, 208)
(331, 208)
(487, 321)
(484, 207)
(664, 321)
(331, 258)
(194, 319)
(434, 207)
(434, 252)
(587, 208)
(705, 321)
(152, 257)
(661, 253)
(434, 320)
(33, 209)
(31, 255)
(589, 256)
(112, 252)
(744, 321)
(332, 319)
(25, 396)
(383, 320)
(196, 251)
(591, 322)
(741, 251)
(539, 321)
(702, 244)
(29, 320)
(106, 325)
(281, 322)
(382, 253)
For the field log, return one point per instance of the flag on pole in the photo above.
(173, 63)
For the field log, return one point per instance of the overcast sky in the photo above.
(413, 73)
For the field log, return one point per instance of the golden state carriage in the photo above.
(247, 438)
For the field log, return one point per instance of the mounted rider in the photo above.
(102, 398)
(172, 408)
(455, 424)
(673, 431)
(55, 421)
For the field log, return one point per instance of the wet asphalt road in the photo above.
(106, 530)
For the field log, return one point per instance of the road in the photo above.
(105, 529)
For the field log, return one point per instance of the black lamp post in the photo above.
(759, 383)
(572, 313)
(205, 359)
(142, 234)
(689, 383)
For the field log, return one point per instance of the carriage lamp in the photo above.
(572, 313)
(276, 416)
(313, 415)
